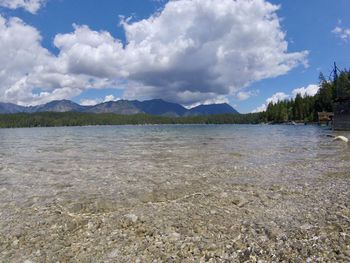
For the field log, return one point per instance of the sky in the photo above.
(246, 52)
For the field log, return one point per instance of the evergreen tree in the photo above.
(343, 85)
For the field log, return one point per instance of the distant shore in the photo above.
(78, 119)
(57, 119)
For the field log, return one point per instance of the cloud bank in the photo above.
(190, 52)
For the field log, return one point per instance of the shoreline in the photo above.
(165, 124)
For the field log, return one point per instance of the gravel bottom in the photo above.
(174, 194)
(197, 221)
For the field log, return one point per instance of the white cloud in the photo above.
(90, 102)
(21, 56)
(261, 108)
(279, 96)
(192, 51)
(244, 95)
(26, 65)
(216, 100)
(31, 6)
(342, 33)
(91, 53)
(310, 90)
(110, 98)
(208, 46)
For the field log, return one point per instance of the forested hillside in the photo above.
(305, 108)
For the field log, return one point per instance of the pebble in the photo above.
(226, 224)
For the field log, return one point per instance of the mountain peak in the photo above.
(222, 108)
(125, 107)
(57, 106)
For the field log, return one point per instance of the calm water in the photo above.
(122, 162)
(174, 193)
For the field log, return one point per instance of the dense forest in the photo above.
(53, 119)
(305, 109)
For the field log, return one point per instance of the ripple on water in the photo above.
(138, 190)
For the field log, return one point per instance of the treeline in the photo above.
(54, 119)
(305, 109)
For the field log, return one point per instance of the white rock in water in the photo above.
(341, 138)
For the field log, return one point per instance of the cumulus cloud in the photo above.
(21, 56)
(31, 6)
(244, 95)
(279, 96)
(26, 65)
(261, 108)
(342, 33)
(91, 53)
(310, 90)
(192, 51)
(208, 47)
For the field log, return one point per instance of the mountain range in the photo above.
(125, 107)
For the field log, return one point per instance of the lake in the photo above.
(171, 193)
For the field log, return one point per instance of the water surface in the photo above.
(125, 169)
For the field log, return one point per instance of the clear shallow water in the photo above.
(107, 168)
(116, 161)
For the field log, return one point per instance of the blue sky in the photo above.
(315, 30)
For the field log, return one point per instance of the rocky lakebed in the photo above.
(171, 200)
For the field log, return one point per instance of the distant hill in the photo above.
(160, 107)
(6, 108)
(56, 106)
(212, 109)
(124, 107)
